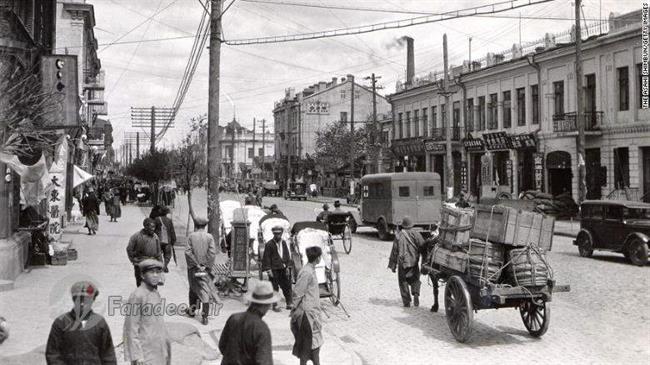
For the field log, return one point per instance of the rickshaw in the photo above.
(338, 225)
(309, 234)
(296, 190)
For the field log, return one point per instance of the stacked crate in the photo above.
(455, 226)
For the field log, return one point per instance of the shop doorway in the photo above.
(559, 174)
(646, 173)
(593, 173)
(439, 168)
(526, 171)
(475, 174)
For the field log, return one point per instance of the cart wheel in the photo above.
(347, 240)
(335, 287)
(382, 230)
(585, 246)
(353, 225)
(637, 252)
(458, 308)
(536, 316)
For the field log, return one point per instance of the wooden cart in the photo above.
(464, 295)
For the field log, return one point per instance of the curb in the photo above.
(330, 202)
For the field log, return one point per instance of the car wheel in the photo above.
(638, 252)
(585, 246)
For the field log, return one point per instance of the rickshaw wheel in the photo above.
(536, 315)
(353, 225)
(347, 240)
(458, 308)
(335, 287)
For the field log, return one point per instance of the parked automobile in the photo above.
(618, 226)
(270, 188)
(296, 190)
(387, 198)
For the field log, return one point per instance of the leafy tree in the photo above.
(190, 169)
(152, 168)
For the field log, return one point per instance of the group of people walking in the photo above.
(91, 201)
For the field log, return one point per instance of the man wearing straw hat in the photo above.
(404, 257)
(277, 263)
(246, 339)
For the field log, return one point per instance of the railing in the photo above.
(567, 122)
(631, 194)
(440, 134)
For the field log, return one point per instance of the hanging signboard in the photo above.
(463, 176)
(509, 173)
(486, 169)
(523, 141)
(473, 145)
(56, 196)
(497, 141)
(538, 159)
(432, 146)
(410, 146)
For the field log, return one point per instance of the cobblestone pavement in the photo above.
(603, 320)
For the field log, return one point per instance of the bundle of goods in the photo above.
(455, 225)
(454, 260)
(561, 205)
(485, 261)
(509, 226)
(528, 267)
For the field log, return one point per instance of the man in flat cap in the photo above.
(145, 335)
(144, 244)
(322, 216)
(404, 258)
(276, 263)
(80, 336)
(200, 253)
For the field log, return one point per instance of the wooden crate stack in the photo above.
(455, 226)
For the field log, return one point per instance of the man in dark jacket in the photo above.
(80, 336)
(276, 263)
(144, 244)
(166, 235)
(246, 339)
(404, 257)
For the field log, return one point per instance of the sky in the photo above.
(253, 77)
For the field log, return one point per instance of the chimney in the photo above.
(410, 61)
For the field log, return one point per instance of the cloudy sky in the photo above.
(143, 68)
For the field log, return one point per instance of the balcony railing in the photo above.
(92, 80)
(567, 122)
(441, 134)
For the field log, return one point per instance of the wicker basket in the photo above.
(485, 261)
(528, 267)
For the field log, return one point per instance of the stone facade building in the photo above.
(514, 122)
(240, 148)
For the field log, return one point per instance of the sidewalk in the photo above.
(330, 200)
(568, 228)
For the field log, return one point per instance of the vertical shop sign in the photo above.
(463, 176)
(56, 195)
(509, 173)
(486, 170)
(538, 159)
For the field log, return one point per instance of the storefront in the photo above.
(525, 146)
(409, 155)
(559, 173)
(475, 149)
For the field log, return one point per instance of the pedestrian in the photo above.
(306, 323)
(246, 339)
(404, 258)
(322, 216)
(123, 194)
(462, 201)
(80, 336)
(116, 208)
(275, 210)
(337, 207)
(259, 196)
(276, 263)
(108, 200)
(90, 210)
(166, 234)
(143, 245)
(145, 336)
(200, 253)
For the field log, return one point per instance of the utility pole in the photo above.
(373, 79)
(580, 120)
(214, 158)
(130, 153)
(232, 150)
(152, 149)
(264, 147)
(253, 162)
(449, 171)
(137, 145)
(352, 157)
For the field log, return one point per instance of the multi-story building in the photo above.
(513, 120)
(298, 116)
(241, 147)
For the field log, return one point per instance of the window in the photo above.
(434, 118)
(429, 191)
(384, 138)
(229, 151)
(443, 115)
(404, 191)
(425, 123)
(342, 94)
(592, 212)
(260, 151)
(469, 114)
(507, 116)
(621, 167)
(416, 123)
(558, 99)
(344, 116)
(534, 93)
(455, 116)
(493, 122)
(399, 125)
(634, 213)
(639, 86)
(251, 153)
(481, 113)
(521, 106)
(408, 125)
(614, 212)
(623, 88)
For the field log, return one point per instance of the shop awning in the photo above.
(80, 176)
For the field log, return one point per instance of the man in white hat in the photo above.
(246, 339)
(276, 263)
(404, 258)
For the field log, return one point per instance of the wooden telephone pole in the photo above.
(580, 117)
(373, 79)
(449, 165)
(214, 154)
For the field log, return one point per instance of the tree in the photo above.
(152, 168)
(189, 160)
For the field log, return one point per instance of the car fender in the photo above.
(591, 237)
(643, 237)
(354, 214)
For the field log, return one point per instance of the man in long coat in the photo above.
(276, 262)
(200, 253)
(80, 336)
(144, 244)
(90, 210)
(166, 234)
(145, 336)
(405, 257)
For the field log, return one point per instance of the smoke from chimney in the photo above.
(410, 60)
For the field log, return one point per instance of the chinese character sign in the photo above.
(56, 196)
(539, 171)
